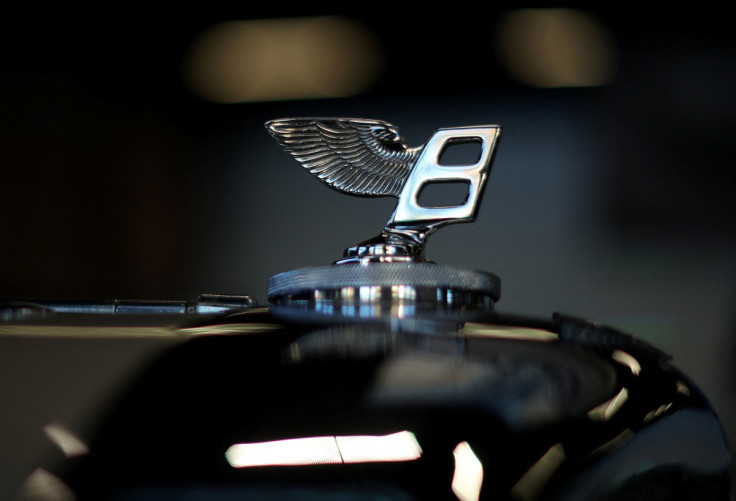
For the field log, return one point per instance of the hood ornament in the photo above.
(365, 157)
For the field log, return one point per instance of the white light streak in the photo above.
(401, 446)
(286, 58)
(682, 388)
(468, 478)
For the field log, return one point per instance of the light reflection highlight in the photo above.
(628, 360)
(69, 444)
(609, 408)
(655, 413)
(279, 59)
(507, 332)
(401, 446)
(531, 484)
(235, 328)
(42, 485)
(468, 477)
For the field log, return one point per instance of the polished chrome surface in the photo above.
(419, 275)
(357, 156)
(397, 302)
(369, 158)
(206, 304)
(428, 169)
(387, 290)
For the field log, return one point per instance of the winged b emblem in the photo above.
(369, 158)
(357, 156)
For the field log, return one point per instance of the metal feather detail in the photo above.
(358, 156)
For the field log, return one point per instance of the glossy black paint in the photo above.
(512, 400)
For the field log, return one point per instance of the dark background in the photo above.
(614, 203)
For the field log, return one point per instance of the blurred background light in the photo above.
(70, 444)
(282, 59)
(42, 485)
(556, 48)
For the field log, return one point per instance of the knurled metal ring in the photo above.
(419, 275)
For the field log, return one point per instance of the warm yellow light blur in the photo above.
(468, 477)
(507, 332)
(624, 358)
(556, 48)
(281, 59)
(530, 485)
(42, 485)
(234, 328)
(81, 331)
(69, 443)
(609, 408)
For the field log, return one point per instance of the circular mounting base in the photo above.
(384, 289)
